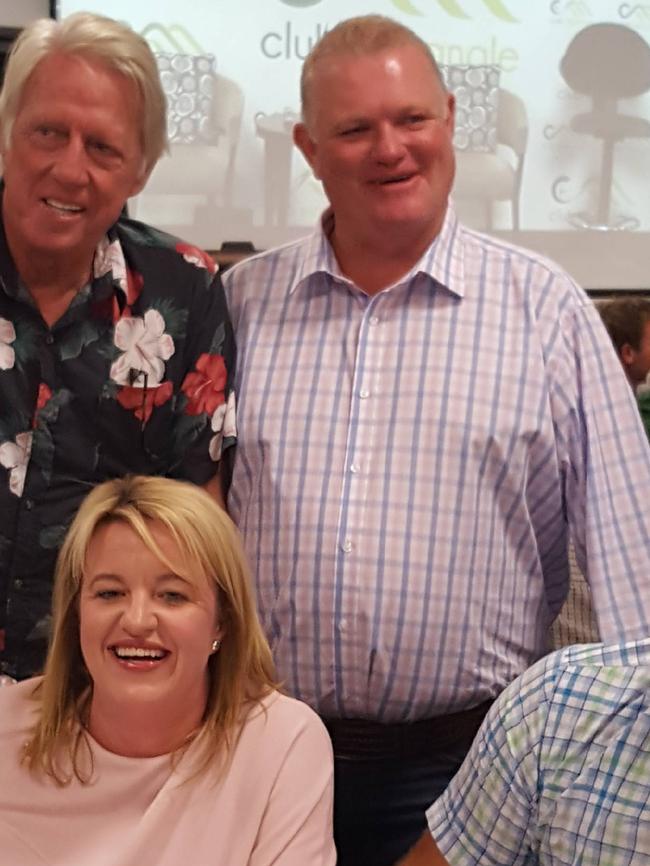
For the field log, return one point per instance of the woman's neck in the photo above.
(142, 731)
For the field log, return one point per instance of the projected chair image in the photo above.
(607, 62)
(496, 176)
(204, 123)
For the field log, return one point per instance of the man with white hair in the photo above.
(116, 351)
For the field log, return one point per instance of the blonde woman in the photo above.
(156, 734)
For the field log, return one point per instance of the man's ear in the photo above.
(627, 355)
(306, 145)
(450, 120)
(140, 182)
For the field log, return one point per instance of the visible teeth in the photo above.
(138, 652)
(74, 208)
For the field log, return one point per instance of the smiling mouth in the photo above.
(138, 654)
(393, 181)
(62, 207)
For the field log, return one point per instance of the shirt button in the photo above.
(49, 339)
(354, 468)
(364, 393)
(29, 504)
(343, 624)
(346, 547)
(374, 320)
(18, 584)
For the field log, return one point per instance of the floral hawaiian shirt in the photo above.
(135, 377)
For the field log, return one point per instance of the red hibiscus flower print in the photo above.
(196, 256)
(143, 400)
(44, 394)
(205, 388)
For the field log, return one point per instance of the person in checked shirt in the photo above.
(424, 414)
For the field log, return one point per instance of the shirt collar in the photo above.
(444, 260)
(109, 260)
(442, 263)
(317, 255)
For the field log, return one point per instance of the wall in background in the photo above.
(17, 13)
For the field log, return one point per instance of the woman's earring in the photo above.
(216, 643)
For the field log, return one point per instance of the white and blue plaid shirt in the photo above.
(559, 773)
(407, 463)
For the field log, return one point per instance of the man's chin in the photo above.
(407, 218)
(60, 240)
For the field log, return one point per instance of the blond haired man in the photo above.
(423, 413)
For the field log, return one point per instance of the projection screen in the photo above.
(553, 131)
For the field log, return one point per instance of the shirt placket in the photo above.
(353, 592)
(24, 576)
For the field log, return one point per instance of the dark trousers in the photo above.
(379, 806)
(386, 777)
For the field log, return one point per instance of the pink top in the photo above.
(272, 806)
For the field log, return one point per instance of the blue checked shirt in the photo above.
(559, 773)
(407, 463)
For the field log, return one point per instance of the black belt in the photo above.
(363, 740)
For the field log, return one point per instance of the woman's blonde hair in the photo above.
(97, 38)
(240, 673)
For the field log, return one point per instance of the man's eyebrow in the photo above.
(351, 121)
